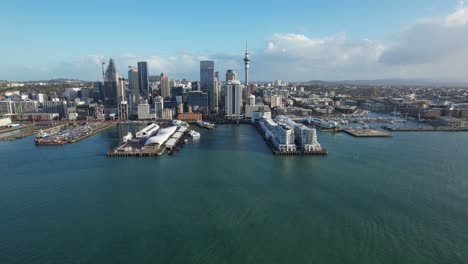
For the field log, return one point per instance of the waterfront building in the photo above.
(306, 137)
(281, 136)
(133, 85)
(452, 122)
(231, 75)
(165, 87)
(123, 111)
(143, 80)
(158, 107)
(233, 100)
(188, 117)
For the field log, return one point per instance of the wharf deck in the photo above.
(14, 128)
(95, 132)
(138, 149)
(426, 129)
(366, 133)
(101, 128)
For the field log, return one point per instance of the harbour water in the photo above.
(227, 199)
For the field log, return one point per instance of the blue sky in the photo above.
(49, 39)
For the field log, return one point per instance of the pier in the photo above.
(366, 132)
(75, 134)
(141, 148)
(27, 131)
(426, 129)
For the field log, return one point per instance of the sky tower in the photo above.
(247, 65)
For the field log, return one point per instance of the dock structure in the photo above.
(369, 132)
(75, 134)
(2, 131)
(426, 129)
(27, 131)
(168, 139)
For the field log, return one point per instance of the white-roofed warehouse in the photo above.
(162, 136)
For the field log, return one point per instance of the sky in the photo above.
(292, 40)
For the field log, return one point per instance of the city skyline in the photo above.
(319, 41)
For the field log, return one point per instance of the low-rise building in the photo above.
(190, 117)
(451, 121)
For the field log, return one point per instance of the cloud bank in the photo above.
(432, 49)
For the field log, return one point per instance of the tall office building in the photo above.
(133, 83)
(158, 107)
(231, 75)
(207, 82)
(121, 94)
(143, 80)
(247, 65)
(233, 101)
(165, 87)
(111, 83)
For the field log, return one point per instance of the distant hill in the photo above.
(404, 82)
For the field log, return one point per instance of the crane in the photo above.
(103, 62)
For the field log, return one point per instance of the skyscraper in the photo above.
(133, 83)
(165, 88)
(111, 83)
(233, 101)
(247, 65)
(143, 80)
(158, 107)
(207, 83)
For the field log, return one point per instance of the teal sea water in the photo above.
(227, 199)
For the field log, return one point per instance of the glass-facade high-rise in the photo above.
(143, 79)
(207, 83)
(133, 83)
(111, 84)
